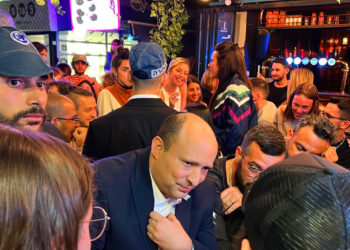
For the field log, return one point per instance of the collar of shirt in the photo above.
(161, 204)
(144, 96)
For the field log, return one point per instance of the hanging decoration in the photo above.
(56, 3)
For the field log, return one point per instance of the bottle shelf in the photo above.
(347, 25)
(281, 21)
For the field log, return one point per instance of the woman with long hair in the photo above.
(303, 101)
(45, 192)
(174, 91)
(297, 77)
(194, 93)
(115, 96)
(232, 105)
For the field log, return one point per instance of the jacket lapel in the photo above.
(183, 213)
(143, 195)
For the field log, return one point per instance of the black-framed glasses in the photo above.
(329, 116)
(75, 119)
(98, 222)
(253, 168)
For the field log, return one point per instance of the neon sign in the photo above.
(95, 14)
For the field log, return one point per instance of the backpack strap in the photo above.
(91, 87)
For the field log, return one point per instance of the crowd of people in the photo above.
(225, 162)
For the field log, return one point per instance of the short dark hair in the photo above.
(75, 94)
(123, 54)
(65, 68)
(117, 41)
(171, 128)
(322, 127)
(343, 105)
(63, 87)
(282, 61)
(269, 139)
(39, 46)
(259, 84)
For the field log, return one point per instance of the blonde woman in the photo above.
(297, 77)
(174, 91)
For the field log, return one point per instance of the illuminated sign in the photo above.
(95, 14)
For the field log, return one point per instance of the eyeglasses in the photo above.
(253, 168)
(329, 116)
(98, 223)
(75, 119)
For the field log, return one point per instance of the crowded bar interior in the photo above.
(174, 124)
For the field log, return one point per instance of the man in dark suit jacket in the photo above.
(151, 194)
(135, 124)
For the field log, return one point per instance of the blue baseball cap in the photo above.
(147, 60)
(18, 56)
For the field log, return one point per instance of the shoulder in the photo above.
(105, 93)
(204, 194)
(118, 166)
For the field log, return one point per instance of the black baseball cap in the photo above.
(18, 56)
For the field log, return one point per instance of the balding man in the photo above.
(153, 195)
(62, 114)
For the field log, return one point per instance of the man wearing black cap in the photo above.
(300, 203)
(22, 92)
(135, 124)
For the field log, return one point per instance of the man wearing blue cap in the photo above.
(135, 124)
(22, 92)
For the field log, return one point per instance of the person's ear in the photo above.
(286, 70)
(157, 147)
(238, 153)
(115, 72)
(54, 121)
(289, 135)
(344, 124)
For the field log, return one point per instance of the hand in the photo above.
(79, 135)
(331, 154)
(167, 232)
(173, 98)
(245, 245)
(260, 77)
(231, 199)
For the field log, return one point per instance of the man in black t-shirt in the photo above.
(278, 87)
(338, 113)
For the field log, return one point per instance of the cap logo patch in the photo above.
(19, 37)
(158, 72)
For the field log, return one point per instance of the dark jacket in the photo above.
(130, 127)
(125, 191)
